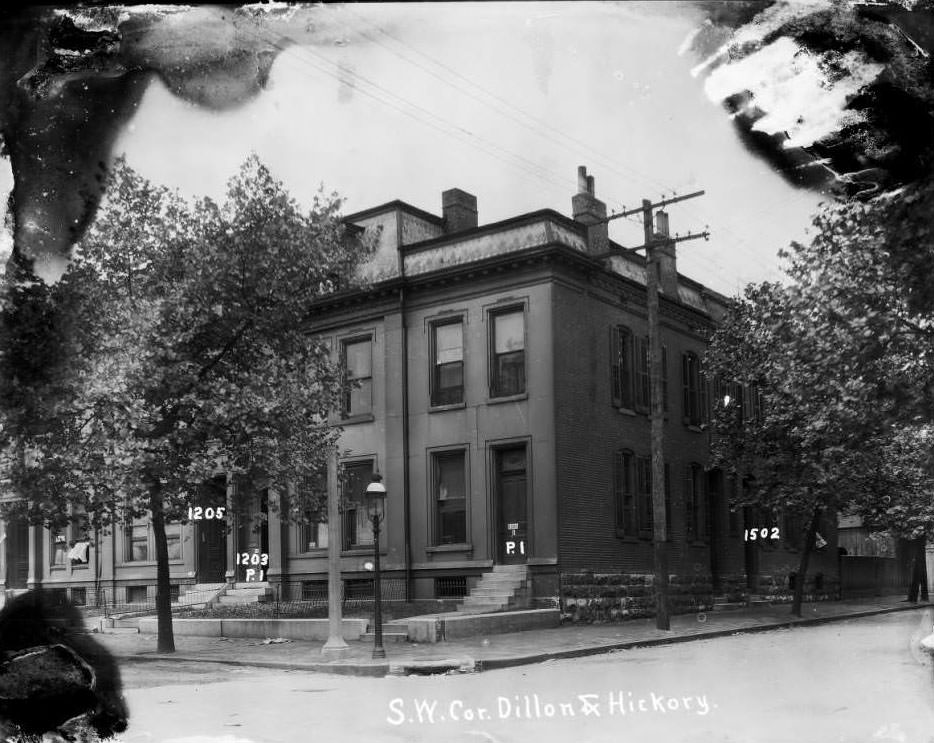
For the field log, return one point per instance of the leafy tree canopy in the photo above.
(174, 347)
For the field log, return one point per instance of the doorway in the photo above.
(510, 474)
(253, 534)
(17, 553)
(211, 534)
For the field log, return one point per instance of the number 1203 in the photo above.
(750, 535)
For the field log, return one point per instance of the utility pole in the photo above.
(657, 415)
(335, 646)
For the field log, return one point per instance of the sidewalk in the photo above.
(496, 651)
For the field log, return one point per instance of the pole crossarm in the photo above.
(656, 205)
(658, 241)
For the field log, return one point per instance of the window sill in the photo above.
(450, 406)
(626, 411)
(316, 552)
(352, 419)
(508, 398)
(361, 552)
(694, 427)
(147, 563)
(460, 547)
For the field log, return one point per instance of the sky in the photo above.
(504, 100)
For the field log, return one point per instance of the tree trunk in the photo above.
(809, 541)
(166, 641)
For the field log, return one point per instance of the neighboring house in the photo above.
(501, 389)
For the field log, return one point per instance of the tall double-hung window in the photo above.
(507, 346)
(621, 376)
(357, 358)
(447, 370)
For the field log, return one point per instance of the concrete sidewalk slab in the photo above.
(497, 651)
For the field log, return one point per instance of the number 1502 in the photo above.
(750, 535)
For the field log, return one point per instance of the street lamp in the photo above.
(375, 496)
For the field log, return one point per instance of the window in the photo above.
(137, 543)
(358, 531)
(508, 353)
(694, 390)
(623, 494)
(644, 507)
(136, 594)
(694, 503)
(450, 497)
(79, 596)
(452, 587)
(644, 378)
(313, 532)
(733, 522)
(752, 402)
(621, 379)
(59, 547)
(173, 537)
(447, 373)
(357, 359)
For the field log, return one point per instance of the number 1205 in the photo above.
(750, 535)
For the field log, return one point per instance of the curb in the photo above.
(495, 663)
(342, 669)
(469, 665)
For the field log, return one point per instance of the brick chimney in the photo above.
(666, 258)
(459, 210)
(589, 210)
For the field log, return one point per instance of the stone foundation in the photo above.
(602, 597)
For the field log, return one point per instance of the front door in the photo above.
(17, 553)
(511, 489)
(253, 537)
(212, 533)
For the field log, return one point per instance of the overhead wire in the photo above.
(314, 61)
(311, 59)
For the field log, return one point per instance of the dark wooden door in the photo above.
(212, 551)
(17, 553)
(512, 505)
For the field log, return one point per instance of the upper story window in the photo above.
(644, 378)
(507, 344)
(694, 390)
(621, 377)
(357, 358)
(447, 370)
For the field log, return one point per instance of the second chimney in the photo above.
(459, 210)
(589, 210)
(666, 258)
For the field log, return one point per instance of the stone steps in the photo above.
(502, 588)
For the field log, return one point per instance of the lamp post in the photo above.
(375, 505)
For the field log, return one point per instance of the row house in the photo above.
(502, 391)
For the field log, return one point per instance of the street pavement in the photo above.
(852, 681)
(494, 651)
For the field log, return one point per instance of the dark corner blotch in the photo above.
(54, 677)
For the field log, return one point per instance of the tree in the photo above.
(186, 354)
(841, 355)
